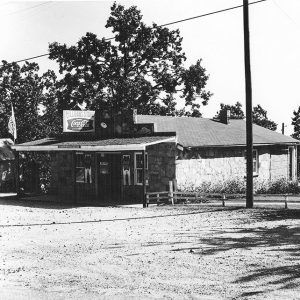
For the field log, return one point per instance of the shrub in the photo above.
(238, 186)
(279, 186)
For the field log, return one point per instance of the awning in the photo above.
(103, 145)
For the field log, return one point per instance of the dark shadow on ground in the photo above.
(281, 238)
(14, 201)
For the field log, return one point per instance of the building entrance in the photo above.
(109, 177)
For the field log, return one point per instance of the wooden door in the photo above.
(109, 177)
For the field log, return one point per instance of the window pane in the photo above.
(80, 175)
(88, 175)
(87, 160)
(139, 176)
(79, 160)
(139, 161)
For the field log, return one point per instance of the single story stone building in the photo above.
(215, 151)
(103, 158)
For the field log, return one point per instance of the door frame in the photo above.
(97, 173)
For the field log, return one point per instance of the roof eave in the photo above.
(107, 148)
(244, 145)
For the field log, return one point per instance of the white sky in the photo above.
(26, 31)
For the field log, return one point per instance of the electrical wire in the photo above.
(167, 24)
(25, 9)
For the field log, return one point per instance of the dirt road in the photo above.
(181, 252)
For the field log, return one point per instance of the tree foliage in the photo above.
(296, 124)
(28, 91)
(142, 68)
(259, 115)
(236, 111)
(260, 118)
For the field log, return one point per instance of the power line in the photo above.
(167, 24)
(25, 9)
(211, 13)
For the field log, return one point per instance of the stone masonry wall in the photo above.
(62, 169)
(161, 166)
(195, 167)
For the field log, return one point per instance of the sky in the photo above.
(27, 28)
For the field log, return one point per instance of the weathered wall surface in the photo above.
(161, 166)
(195, 167)
(62, 175)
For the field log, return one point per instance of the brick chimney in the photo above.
(225, 116)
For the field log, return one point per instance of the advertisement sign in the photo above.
(79, 121)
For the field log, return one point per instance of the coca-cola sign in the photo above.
(79, 121)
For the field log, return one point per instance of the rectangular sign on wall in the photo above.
(79, 121)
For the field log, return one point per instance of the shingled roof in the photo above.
(134, 143)
(203, 132)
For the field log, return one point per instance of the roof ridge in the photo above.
(187, 117)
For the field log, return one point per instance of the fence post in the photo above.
(157, 199)
(147, 200)
(223, 200)
(171, 191)
(285, 202)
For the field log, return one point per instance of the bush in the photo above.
(238, 186)
(279, 186)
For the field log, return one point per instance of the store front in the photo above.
(91, 166)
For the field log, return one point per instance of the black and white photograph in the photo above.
(150, 149)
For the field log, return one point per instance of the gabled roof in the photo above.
(202, 132)
(112, 144)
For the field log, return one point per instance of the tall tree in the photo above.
(142, 68)
(236, 111)
(296, 124)
(28, 92)
(260, 118)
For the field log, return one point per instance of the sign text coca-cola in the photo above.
(79, 121)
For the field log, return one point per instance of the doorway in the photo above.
(109, 177)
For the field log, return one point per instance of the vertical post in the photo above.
(285, 202)
(144, 178)
(171, 191)
(17, 173)
(223, 200)
(249, 136)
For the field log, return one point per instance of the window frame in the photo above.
(139, 169)
(255, 161)
(83, 167)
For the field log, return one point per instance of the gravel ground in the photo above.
(181, 252)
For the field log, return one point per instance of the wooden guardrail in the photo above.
(183, 197)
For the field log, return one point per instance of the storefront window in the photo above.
(83, 168)
(138, 167)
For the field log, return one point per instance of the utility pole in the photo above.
(249, 134)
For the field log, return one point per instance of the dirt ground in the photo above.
(181, 252)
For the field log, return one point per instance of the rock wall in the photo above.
(161, 166)
(196, 166)
(62, 173)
